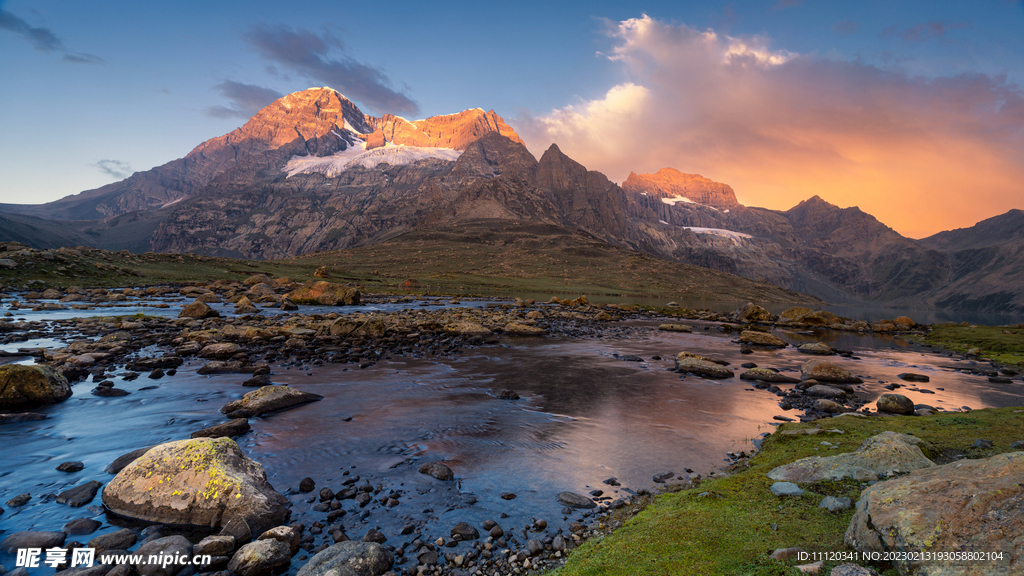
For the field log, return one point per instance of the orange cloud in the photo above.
(922, 155)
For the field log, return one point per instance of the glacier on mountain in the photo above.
(358, 155)
(736, 237)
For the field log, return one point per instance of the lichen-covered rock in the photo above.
(968, 505)
(818, 318)
(368, 326)
(817, 348)
(791, 314)
(466, 328)
(325, 293)
(675, 328)
(202, 482)
(904, 323)
(220, 350)
(702, 368)
(825, 371)
(350, 558)
(198, 309)
(880, 455)
(750, 312)
(895, 404)
(31, 386)
(756, 338)
(245, 306)
(268, 399)
(766, 375)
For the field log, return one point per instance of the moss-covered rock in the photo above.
(880, 455)
(201, 482)
(31, 386)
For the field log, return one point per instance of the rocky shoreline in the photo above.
(269, 329)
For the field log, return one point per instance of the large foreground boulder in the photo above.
(825, 371)
(31, 386)
(325, 293)
(968, 505)
(201, 482)
(268, 399)
(881, 455)
(350, 558)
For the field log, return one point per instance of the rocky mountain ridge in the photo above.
(252, 194)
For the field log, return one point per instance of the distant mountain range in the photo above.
(311, 172)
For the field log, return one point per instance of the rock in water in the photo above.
(325, 293)
(968, 505)
(350, 558)
(32, 539)
(574, 500)
(438, 470)
(31, 386)
(169, 546)
(201, 482)
(198, 309)
(766, 375)
(261, 558)
(79, 495)
(751, 312)
(817, 348)
(268, 399)
(913, 377)
(882, 454)
(229, 429)
(675, 328)
(702, 368)
(825, 371)
(756, 338)
(895, 404)
(125, 459)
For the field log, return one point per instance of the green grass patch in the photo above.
(693, 532)
(998, 343)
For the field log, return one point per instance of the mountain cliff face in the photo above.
(675, 186)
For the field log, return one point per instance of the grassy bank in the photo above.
(1001, 344)
(730, 525)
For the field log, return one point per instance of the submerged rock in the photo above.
(350, 558)
(201, 482)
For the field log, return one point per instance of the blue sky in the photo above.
(95, 90)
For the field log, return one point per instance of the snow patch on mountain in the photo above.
(736, 237)
(677, 199)
(357, 155)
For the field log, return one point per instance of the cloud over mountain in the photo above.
(923, 154)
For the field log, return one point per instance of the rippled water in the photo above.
(584, 416)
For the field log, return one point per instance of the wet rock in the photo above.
(912, 377)
(79, 495)
(825, 371)
(507, 395)
(702, 368)
(220, 350)
(438, 470)
(574, 500)
(198, 309)
(307, 485)
(32, 539)
(675, 328)
(751, 313)
(507, 496)
(977, 504)
(125, 459)
(230, 429)
(24, 387)
(817, 348)
(517, 329)
(534, 547)
(766, 375)
(237, 528)
(166, 362)
(224, 367)
(19, 500)
(168, 546)
(823, 391)
(261, 558)
(285, 534)
(81, 526)
(215, 546)
(755, 338)
(350, 559)
(834, 504)
(495, 531)
(245, 306)
(880, 455)
(465, 531)
(326, 494)
(122, 539)
(895, 404)
(661, 478)
(374, 535)
(268, 399)
(70, 466)
(202, 482)
(257, 381)
(109, 392)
